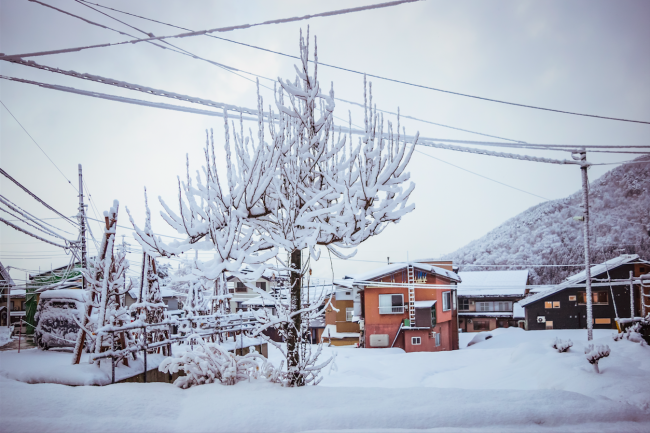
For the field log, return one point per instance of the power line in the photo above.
(31, 234)
(386, 78)
(215, 30)
(480, 175)
(232, 70)
(5, 174)
(21, 125)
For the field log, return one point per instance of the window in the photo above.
(446, 301)
(483, 306)
(437, 339)
(349, 312)
(481, 325)
(556, 304)
(463, 304)
(240, 287)
(549, 324)
(239, 305)
(548, 304)
(603, 321)
(261, 285)
(572, 298)
(391, 304)
(503, 306)
(596, 298)
(416, 341)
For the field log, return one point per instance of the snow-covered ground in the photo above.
(512, 382)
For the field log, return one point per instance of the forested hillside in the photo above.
(548, 234)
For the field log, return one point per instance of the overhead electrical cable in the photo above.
(480, 175)
(5, 174)
(215, 30)
(21, 216)
(235, 70)
(32, 234)
(144, 89)
(38, 145)
(206, 32)
(26, 214)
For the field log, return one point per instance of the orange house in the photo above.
(407, 305)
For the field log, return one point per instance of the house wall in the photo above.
(343, 325)
(572, 315)
(389, 324)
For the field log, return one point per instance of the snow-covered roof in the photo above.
(580, 277)
(424, 304)
(518, 312)
(18, 293)
(267, 275)
(76, 294)
(4, 273)
(606, 266)
(330, 331)
(394, 267)
(493, 283)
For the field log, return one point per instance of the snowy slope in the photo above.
(547, 233)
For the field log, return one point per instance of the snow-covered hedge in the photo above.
(561, 345)
(210, 362)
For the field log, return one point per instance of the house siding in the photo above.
(572, 315)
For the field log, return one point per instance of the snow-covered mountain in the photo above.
(548, 234)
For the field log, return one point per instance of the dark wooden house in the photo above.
(564, 306)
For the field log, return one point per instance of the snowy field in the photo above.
(512, 382)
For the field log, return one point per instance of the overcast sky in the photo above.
(581, 56)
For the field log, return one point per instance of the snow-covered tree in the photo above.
(308, 186)
(106, 287)
(595, 354)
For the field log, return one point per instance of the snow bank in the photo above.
(513, 382)
(55, 366)
(5, 335)
(260, 406)
(481, 336)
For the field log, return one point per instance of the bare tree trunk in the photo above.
(294, 329)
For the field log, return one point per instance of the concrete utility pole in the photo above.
(82, 225)
(582, 157)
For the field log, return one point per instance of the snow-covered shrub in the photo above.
(210, 362)
(481, 336)
(594, 354)
(561, 345)
(632, 333)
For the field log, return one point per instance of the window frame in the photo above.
(548, 305)
(395, 309)
(481, 321)
(446, 299)
(414, 339)
(349, 313)
(582, 297)
(556, 304)
(437, 338)
(240, 287)
(461, 304)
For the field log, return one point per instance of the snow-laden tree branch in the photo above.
(304, 186)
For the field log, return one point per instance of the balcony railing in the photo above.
(391, 310)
